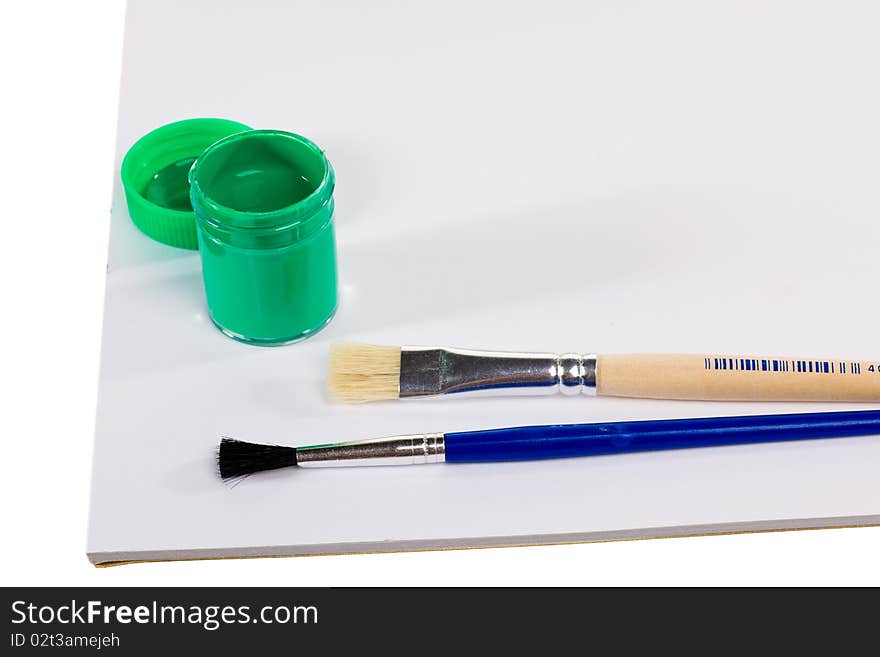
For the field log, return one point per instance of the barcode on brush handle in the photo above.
(788, 365)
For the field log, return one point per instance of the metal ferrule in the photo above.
(396, 450)
(425, 372)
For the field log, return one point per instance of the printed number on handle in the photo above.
(741, 364)
(743, 378)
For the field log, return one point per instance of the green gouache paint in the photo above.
(263, 202)
(169, 187)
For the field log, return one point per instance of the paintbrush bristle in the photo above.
(237, 458)
(362, 373)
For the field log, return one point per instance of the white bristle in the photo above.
(362, 373)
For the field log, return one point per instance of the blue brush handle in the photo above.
(562, 440)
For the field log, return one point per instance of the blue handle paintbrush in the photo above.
(237, 458)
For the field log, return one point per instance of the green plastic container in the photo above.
(263, 203)
(154, 176)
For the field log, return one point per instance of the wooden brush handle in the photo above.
(743, 378)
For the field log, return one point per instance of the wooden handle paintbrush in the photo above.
(365, 373)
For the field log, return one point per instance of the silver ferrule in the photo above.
(396, 450)
(425, 372)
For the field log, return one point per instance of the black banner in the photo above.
(240, 620)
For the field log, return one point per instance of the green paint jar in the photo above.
(263, 201)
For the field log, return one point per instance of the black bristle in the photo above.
(237, 458)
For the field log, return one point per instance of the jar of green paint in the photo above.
(263, 202)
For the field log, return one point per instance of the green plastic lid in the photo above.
(154, 175)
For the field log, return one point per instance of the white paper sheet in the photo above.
(555, 176)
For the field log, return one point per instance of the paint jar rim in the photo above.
(223, 216)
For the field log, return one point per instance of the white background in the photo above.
(62, 64)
